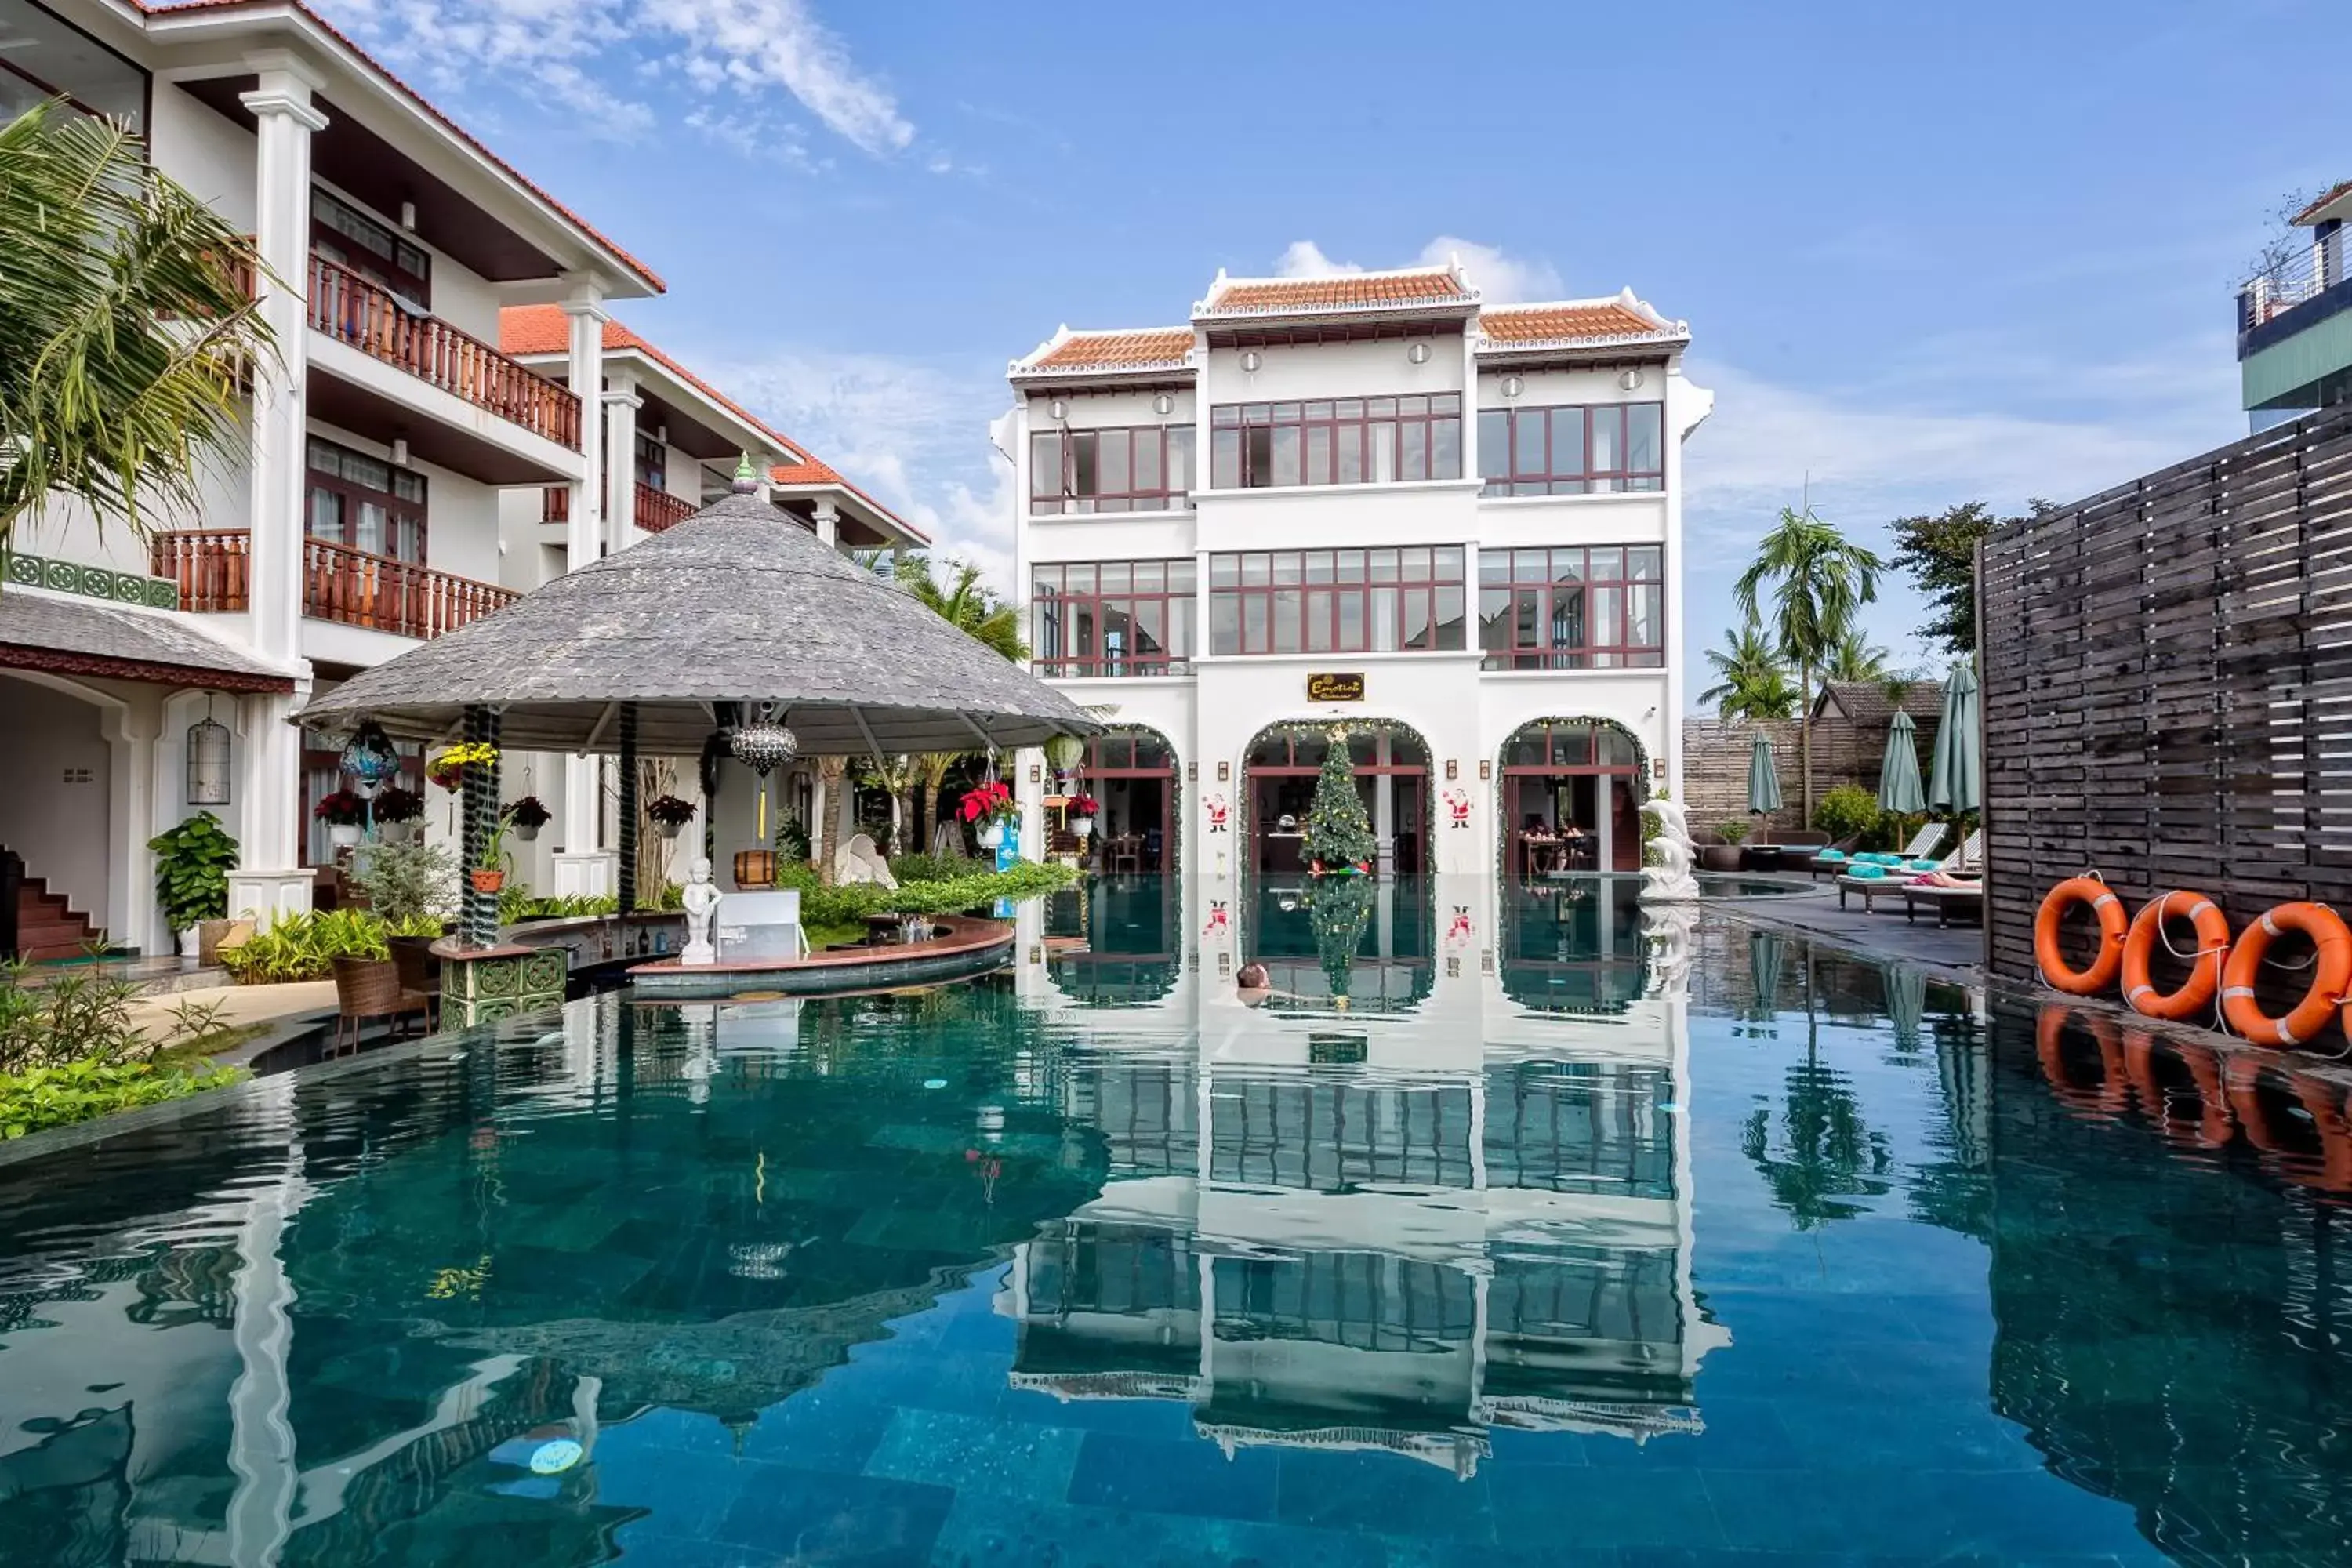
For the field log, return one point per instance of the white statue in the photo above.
(701, 901)
(1669, 929)
(860, 861)
(1668, 879)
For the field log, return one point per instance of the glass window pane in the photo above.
(1568, 442)
(1493, 566)
(1224, 415)
(1258, 569)
(1567, 627)
(1319, 567)
(1379, 408)
(1528, 565)
(1352, 620)
(1318, 411)
(1083, 627)
(1493, 442)
(1146, 460)
(1382, 623)
(1607, 629)
(1224, 459)
(1224, 623)
(1254, 619)
(1449, 564)
(1608, 564)
(1288, 612)
(1115, 577)
(1445, 448)
(1150, 577)
(1081, 577)
(1416, 565)
(1450, 630)
(1528, 443)
(1526, 749)
(1645, 562)
(1416, 617)
(326, 515)
(1608, 439)
(1380, 452)
(1257, 464)
(1350, 439)
(1493, 618)
(1348, 408)
(1284, 414)
(1644, 604)
(1319, 621)
(1180, 577)
(1643, 422)
(1383, 564)
(1046, 463)
(1084, 473)
(1179, 458)
(1413, 460)
(1224, 571)
(1285, 455)
(1319, 454)
(1288, 565)
(1351, 564)
(1412, 405)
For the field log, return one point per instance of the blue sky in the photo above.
(1928, 254)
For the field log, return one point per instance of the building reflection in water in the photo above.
(1395, 1222)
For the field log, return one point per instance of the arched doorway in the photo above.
(1391, 763)
(1571, 798)
(1130, 770)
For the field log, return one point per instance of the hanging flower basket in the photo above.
(990, 809)
(526, 816)
(447, 768)
(667, 813)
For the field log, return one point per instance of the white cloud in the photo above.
(553, 49)
(1501, 279)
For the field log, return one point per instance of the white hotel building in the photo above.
(454, 419)
(1454, 527)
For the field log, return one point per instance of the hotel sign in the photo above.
(1328, 688)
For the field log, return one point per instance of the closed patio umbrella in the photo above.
(1763, 778)
(1898, 775)
(1957, 777)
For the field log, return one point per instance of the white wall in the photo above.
(58, 828)
(206, 151)
(1335, 370)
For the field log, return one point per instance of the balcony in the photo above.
(655, 510)
(211, 567)
(2294, 327)
(351, 310)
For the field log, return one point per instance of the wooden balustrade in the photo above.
(347, 308)
(209, 565)
(339, 584)
(555, 504)
(657, 510)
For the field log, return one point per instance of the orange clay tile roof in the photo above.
(167, 7)
(1117, 351)
(1353, 290)
(1555, 324)
(525, 331)
(2345, 189)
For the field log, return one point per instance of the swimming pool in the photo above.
(1519, 1262)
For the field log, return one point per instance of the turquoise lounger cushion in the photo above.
(1879, 857)
(1869, 873)
(1830, 855)
(1921, 865)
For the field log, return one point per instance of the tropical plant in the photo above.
(895, 775)
(990, 804)
(669, 811)
(193, 862)
(965, 602)
(934, 768)
(1941, 554)
(406, 883)
(1338, 833)
(792, 836)
(527, 812)
(128, 329)
(342, 808)
(82, 1091)
(1856, 658)
(1847, 812)
(305, 946)
(1820, 580)
(1733, 831)
(1825, 1156)
(516, 903)
(395, 805)
(851, 902)
(1752, 682)
(1084, 805)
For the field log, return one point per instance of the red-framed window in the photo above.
(1135, 468)
(364, 503)
(1336, 601)
(376, 250)
(1573, 607)
(1572, 449)
(1335, 441)
(653, 462)
(1129, 753)
(1112, 617)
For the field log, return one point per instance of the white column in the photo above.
(620, 406)
(131, 732)
(828, 524)
(1383, 808)
(582, 867)
(269, 878)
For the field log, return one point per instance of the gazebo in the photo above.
(736, 622)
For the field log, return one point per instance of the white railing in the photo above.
(2294, 280)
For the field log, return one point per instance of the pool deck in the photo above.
(1957, 949)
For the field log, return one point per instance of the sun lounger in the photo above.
(1874, 879)
(1945, 901)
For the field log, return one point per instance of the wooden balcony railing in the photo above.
(555, 504)
(657, 510)
(347, 308)
(339, 584)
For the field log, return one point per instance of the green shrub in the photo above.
(520, 903)
(77, 1092)
(193, 862)
(305, 946)
(1847, 812)
(407, 882)
(69, 1051)
(929, 868)
(1732, 832)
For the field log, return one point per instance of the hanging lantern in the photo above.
(209, 759)
(763, 746)
(369, 759)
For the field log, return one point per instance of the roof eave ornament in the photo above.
(747, 477)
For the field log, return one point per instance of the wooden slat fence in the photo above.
(2169, 686)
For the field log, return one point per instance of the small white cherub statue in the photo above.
(701, 901)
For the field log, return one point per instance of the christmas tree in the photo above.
(1339, 834)
(1339, 908)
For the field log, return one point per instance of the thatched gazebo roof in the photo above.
(735, 605)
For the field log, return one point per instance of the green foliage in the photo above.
(851, 902)
(1732, 832)
(1847, 812)
(305, 946)
(793, 836)
(69, 1051)
(928, 867)
(1856, 658)
(128, 335)
(520, 903)
(1750, 680)
(965, 604)
(407, 882)
(1820, 581)
(1338, 831)
(193, 862)
(1941, 554)
(1340, 911)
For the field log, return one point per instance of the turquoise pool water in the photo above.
(1510, 1261)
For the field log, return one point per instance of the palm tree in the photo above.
(965, 602)
(127, 325)
(934, 767)
(1820, 580)
(1753, 683)
(1856, 658)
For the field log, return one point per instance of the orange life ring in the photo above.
(2331, 974)
(2196, 994)
(2103, 903)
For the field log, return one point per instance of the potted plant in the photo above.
(989, 808)
(398, 807)
(669, 814)
(527, 816)
(192, 865)
(1724, 854)
(491, 874)
(1083, 809)
(448, 767)
(346, 814)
